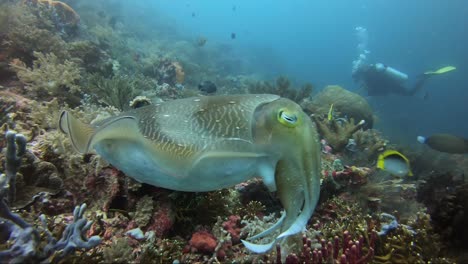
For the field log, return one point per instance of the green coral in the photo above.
(117, 91)
(251, 210)
(144, 211)
(161, 251)
(30, 28)
(93, 59)
(49, 75)
(283, 88)
(192, 209)
(118, 252)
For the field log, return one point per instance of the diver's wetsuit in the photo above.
(378, 83)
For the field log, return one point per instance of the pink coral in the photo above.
(233, 227)
(163, 220)
(203, 242)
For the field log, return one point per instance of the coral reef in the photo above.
(48, 75)
(93, 61)
(65, 14)
(117, 91)
(446, 199)
(369, 143)
(144, 209)
(119, 251)
(337, 132)
(26, 239)
(203, 242)
(15, 149)
(415, 242)
(283, 88)
(30, 28)
(345, 104)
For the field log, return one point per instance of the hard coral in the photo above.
(162, 219)
(233, 227)
(412, 243)
(345, 103)
(203, 242)
(26, 239)
(65, 13)
(337, 132)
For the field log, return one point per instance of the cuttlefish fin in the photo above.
(233, 153)
(267, 172)
(84, 136)
(79, 132)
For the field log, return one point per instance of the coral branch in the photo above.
(337, 132)
(16, 147)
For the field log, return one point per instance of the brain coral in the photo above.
(344, 102)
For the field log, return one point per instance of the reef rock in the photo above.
(344, 102)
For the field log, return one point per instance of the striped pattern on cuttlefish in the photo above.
(208, 143)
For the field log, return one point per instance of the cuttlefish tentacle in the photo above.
(213, 142)
(297, 175)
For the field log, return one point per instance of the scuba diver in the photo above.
(379, 79)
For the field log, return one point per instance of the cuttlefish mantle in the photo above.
(213, 142)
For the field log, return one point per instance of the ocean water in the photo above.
(315, 41)
(121, 49)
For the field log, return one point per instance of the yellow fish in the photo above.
(395, 163)
(208, 143)
(330, 113)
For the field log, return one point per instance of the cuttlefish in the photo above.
(207, 143)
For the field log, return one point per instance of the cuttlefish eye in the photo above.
(287, 118)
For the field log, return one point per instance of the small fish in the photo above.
(193, 14)
(233, 35)
(207, 87)
(445, 143)
(330, 113)
(426, 95)
(234, 8)
(394, 162)
(201, 41)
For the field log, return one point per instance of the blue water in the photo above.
(315, 41)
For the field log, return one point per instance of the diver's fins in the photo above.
(441, 70)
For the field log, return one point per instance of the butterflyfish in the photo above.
(395, 163)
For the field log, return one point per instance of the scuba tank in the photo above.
(391, 72)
